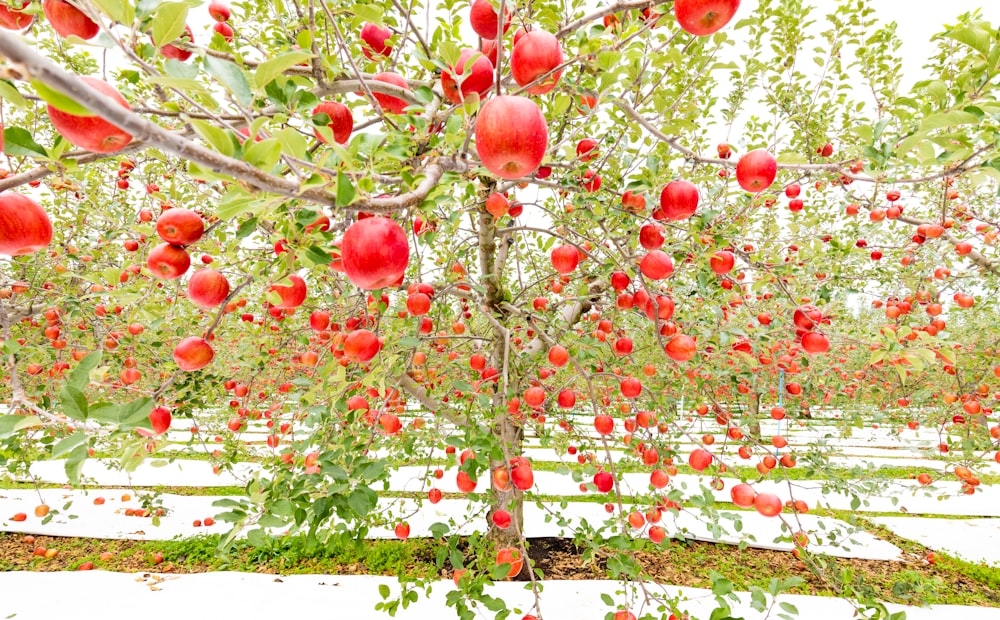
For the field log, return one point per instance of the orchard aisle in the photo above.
(28, 596)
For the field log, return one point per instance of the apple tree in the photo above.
(406, 233)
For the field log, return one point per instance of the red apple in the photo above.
(160, 419)
(193, 353)
(656, 265)
(756, 171)
(225, 30)
(534, 55)
(767, 504)
(484, 19)
(388, 102)
(168, 262)
(180, 226)
(13, 19)
(477, 78)
(722, 262)
(341, 121)
(92, 133)
(179, 53)
(565, 258)
(68, 20)
(704, 17)
(375, 253)
(291, 296)
(511, 136)
(208, 288)
(815, 342)
(681, 348)
(361, 346)
(374, 38)
(678, 201)
(219, 11)
(24, 225)
(651, 236)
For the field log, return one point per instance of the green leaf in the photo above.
(126, 416)
(292, 142)
(345, 191)
(10, 424)
(270, 69)
(383, 590)
(216, 137)
(74, 403)
(80, 376)
(75, 462)
(789, 608)
(318, 256)
(68, 444)
(235, 202)
(947, 119)
(232, 77)
(18, 142)
(60, 101)
(264, 154)
(8, 92)
(119, 10)
(976, 38)
(362, 501)
(168, 23)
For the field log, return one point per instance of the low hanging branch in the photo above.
(30, 65)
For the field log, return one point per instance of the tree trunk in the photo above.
(755, 415)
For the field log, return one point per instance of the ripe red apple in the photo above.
(651, 236)
(341, 121)
(699, 459)
(375, 253)
(68, 20)
(180, 226)
(681, 348)
(534, 55)
(604, 424)
(374, 38)
(179, 53)
(565, 258)
(193, 353)
(501, 519)
(292, 295)
(24, 225)
(756, 170)
(511, 136)
(160, 419)
(13, 19)
(92, 133)
(484, 19)
(388, 102)
(208, 288)
(225, 30)
(219, 11)
(815, 342)
(656, 265)
(767, 504)
(402, 531)
(742, 495)
(361, 346)
(603, 481)
(512, 557)
(722, 262)
(475, 78)
(521, 474)
(168, 262)
(704, 17)
(678, 201)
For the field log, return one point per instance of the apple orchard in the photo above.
(401, 232)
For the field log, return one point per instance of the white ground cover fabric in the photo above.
(975, 540)
(121, 596)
